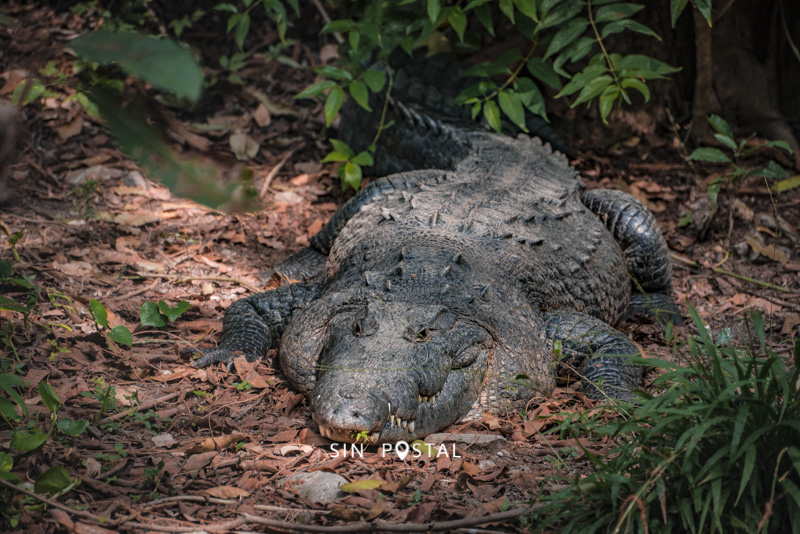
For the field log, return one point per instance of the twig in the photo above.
(327, 18)
(51, 502)
(696, 265)
(275, 170)
(243, 519)
(141, 407)
(230, 502)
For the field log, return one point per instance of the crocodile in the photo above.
(459, 284)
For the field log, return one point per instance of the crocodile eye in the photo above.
(420, 334)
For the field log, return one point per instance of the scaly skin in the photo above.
(445, 290)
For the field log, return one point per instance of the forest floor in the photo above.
(173, 448)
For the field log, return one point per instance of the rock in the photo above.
(317, 486)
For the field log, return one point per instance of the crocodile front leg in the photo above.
(646, 254)
(598, 352)
(254, 324)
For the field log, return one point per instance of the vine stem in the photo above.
(600, 42)
(516, 71)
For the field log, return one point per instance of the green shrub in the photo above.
(717, 451)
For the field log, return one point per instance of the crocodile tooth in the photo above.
(390, 406)
(388, 285)
(446, 289)
(423, 399)
(420, 397)
(375, 436)
(446, 271)
(391, 420)
(404, 423)
(411, 427)
(323, 430)
(435, 218)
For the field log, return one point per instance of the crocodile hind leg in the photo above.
(598, 352)
(646, 254)
(309, 264)
(254, 324)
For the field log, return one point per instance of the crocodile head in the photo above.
(390, 371)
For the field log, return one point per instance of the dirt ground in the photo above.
(183, 448)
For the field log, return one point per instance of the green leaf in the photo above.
(342, 147)
(161, 62)
(174, 312)
(720, 126)
(566, 35)
(635, 83)
(354, 38)
(676, 8)
(72, 428)
(507, 7)
(352, 175)
(458, 20)
(648, 67)
(120, 334)
(527, 8)
(49, 397)
(12, 305)
(561, 13)
(329, 71)
(787, 184)
(705, 9)
(242, 28)
(374, 79)
(335, 156)
(150, 316)
(361, 485)
(617, 11)
(747, 471)
(606, 101)
(339, 26)
(99, 313)
(358, 90)
(37, 89)
(592, 89)
(332, 104)
(727, 141)
(780, 144)
(316, 89)
(434, 8)
(364, 159)
(581, 79)
(483, 12)
(627, 24)
(711, 154)
(28, 440)
(542, 70)
(492, 114)
(511, 104)
(54, 480)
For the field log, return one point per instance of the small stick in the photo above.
(275, 170)
(696, 265)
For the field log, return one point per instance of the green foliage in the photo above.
(118, 334)
(739, 151)
(152, 314)
(717, 451)
(560, 33)
(350, 171)
(176, 71)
